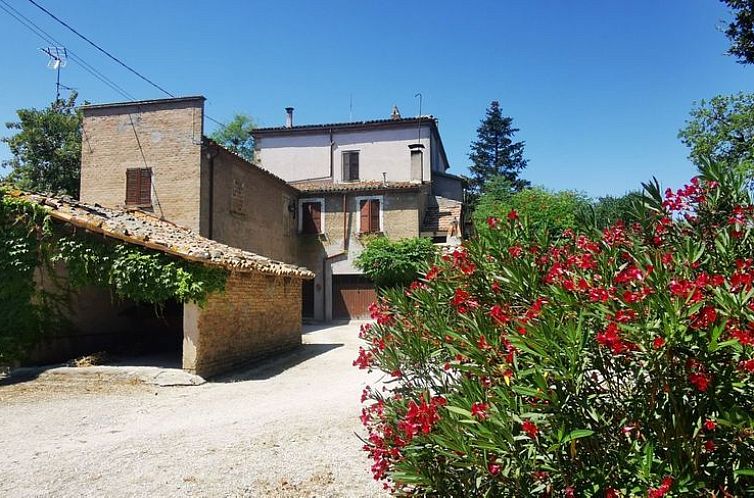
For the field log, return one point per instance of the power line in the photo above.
(90, 42)
(42, 34)
(36, 29)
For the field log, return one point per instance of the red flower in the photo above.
(364, 360)
(494, 468)
(700, 380)
(710, 425)
(432, 273)
(463, 302)
(479, 410)
(598, 294)
(710, 446)
(530, 428)
(746, 365)
(492, 222)
(515, 251)
(662, 489)
(569, 492)
(512, 215)
(611, 493)
(499, 315)
(704, 318)
(609, 338)
(658, 342)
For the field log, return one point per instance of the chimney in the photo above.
(396, 114)
(289, 117)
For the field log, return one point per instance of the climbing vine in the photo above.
(31, 245)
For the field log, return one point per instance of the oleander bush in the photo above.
(608, 363)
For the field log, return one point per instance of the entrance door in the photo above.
(307, 299)
(352, 295)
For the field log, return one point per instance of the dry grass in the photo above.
(99, 358)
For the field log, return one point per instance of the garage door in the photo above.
(352, 295)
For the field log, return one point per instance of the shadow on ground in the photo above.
(278, 364)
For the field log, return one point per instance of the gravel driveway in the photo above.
(286, 429)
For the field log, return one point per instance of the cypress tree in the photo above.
(494, 153)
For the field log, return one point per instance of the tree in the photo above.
(608, 210)
(236, 136)
(494, 153)
(395, 263)
(542, 208)
(721, 129)
(740, 31)
(46, 148)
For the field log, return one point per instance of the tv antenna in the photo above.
(58, 59)
(421, 98)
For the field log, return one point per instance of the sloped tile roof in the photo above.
(311, 187)
(147, 230)
(439, 214)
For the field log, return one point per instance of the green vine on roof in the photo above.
(31, 245)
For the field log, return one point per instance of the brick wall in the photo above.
(257, 315)
(250, 208)
(163, 135)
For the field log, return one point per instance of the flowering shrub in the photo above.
(607, 363)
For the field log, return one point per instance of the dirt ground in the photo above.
(287, 429)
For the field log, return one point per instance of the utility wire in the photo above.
(29, 24)
(47, 38)
(90, 42)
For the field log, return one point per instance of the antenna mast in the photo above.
(421, 97)
(58, 59)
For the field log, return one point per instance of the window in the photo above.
(369, 219)
(139, 187)
(311, 219)
(350, 166)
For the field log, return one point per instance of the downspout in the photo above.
(211, 156)
(332, 160)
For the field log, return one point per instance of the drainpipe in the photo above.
(211, 155)
(331, 156)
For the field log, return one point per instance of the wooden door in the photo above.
(352, 295)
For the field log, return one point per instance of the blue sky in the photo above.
(598, 89)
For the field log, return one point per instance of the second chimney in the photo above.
(289, 117)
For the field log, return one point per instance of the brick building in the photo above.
(312, 195)
(257, 315)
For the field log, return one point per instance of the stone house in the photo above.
(358, 179)
(313, 194)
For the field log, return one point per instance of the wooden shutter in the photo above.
(139, 187)
(365, 218)
(132, 186)
(374, 215)
(145, 187)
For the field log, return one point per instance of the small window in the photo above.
(370, 216)
(139, 187)
(311, 217)
(350, 166)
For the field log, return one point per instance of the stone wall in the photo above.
(258, 315)
(251, 209)
(164, 135)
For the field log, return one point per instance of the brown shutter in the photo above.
(145, 187)
(364, 221)
(316, 212)
(132, 186)
(374, 212)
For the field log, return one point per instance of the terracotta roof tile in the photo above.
(329, 186)
(147, 230)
